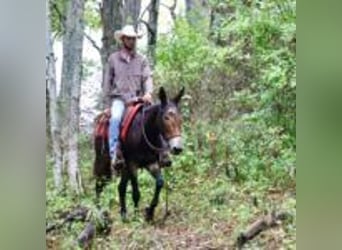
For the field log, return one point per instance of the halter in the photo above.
(153, 147)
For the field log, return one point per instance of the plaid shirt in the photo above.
(127, 75)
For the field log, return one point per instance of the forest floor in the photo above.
(207, 211)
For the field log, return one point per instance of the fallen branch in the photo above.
(98, 223)
(263, 223)
(85, 239)
(101, 224)
(78, 214)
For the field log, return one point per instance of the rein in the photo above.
(155, 148)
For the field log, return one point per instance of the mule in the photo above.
(155, 129)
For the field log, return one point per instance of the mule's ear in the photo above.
(179, 96)
(162, 96)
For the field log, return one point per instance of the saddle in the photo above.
(102, 122)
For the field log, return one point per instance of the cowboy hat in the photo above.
(127, 30)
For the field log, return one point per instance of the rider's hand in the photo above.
(147, 98)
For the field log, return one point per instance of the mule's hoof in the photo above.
(136, 212)
(166, 164)
(149, 214)
(165, 161)
(124, 217)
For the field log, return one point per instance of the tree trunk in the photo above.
(112, 19)
(52, 105)
(131, 12)
(71, 82)
(153, 29)
(196, 10)
(47, 113)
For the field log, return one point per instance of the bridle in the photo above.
(148, 142)
(155, 148)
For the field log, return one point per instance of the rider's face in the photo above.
(129, 42)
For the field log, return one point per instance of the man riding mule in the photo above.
(128, 78)
(153, 130)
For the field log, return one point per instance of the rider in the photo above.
(127, 77)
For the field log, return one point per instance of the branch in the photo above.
(171, 8)
(148, 26)
(92, 41)
(78, 214)
(85, 238)
(61, 17)
(263, 223)
(148, 7)
(101, 11)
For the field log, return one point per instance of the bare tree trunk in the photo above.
(47, 113)
(152, 27)
(52, 105)
(112, 19)
(131, 12)
(71, 81)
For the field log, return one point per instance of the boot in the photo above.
(164, 159)
(117, 162)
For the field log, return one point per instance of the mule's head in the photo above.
(170, 120)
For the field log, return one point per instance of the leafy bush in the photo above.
(240, 118)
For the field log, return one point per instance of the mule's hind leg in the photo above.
(156, 173)
(100, 183)
(102, 175)
(101, 171)
(122, 188)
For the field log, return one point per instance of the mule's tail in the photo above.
(102, 170)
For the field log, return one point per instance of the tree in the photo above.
(111, 19)
(196, 10)
(52, 106)
(71, 85)
(131, 12)
(152, 28)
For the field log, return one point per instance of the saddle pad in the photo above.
(128, 118)
(102, 124)
(103, 119)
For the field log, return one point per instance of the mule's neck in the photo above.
(152, 124)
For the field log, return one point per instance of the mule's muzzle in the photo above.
(176, 145)
(176, 151)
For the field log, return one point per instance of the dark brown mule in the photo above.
(154, 129)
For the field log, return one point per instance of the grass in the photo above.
(207, 211)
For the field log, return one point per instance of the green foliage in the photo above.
(206, 207)
(263, 36)
(239, 132)
(185, 55)
(57, 16)
(92, 15)
(243, 93)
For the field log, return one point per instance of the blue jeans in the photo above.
(117, 110)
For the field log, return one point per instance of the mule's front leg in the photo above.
(156, 173)
(122, 188)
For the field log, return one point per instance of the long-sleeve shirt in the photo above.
(126, 76)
